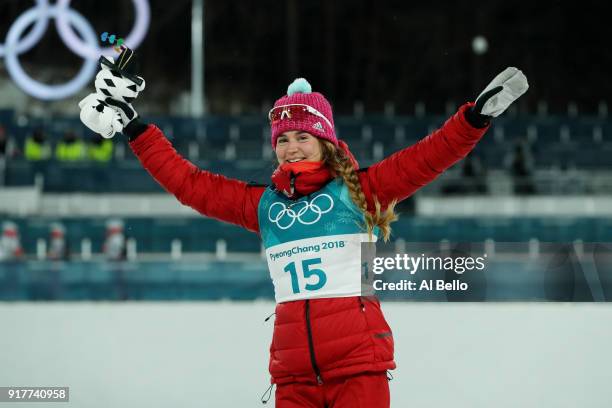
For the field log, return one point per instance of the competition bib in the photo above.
(321, 267)
(313, 245)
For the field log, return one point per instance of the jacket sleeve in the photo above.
(401, 174)
(211, 194)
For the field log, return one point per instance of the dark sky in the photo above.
(374, 51)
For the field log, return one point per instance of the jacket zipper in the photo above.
(313, 360)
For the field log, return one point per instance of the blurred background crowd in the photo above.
(394, 72)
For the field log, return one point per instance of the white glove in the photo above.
(125, 110)
(505, 88)
(109, 82)
(99, 117)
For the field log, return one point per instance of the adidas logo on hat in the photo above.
(318, 126)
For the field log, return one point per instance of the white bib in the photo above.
(320, 267)
(313, 244)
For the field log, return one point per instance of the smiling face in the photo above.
(294, 146)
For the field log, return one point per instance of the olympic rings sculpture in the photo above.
(288, 215)
(87, 47)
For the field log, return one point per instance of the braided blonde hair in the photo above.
(337, 160)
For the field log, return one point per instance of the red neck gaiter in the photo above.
(299, 179)
(302, 178)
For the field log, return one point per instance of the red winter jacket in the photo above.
(316, 339)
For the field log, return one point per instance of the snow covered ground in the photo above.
(206, 354)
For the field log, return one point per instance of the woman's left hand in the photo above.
(504, 89)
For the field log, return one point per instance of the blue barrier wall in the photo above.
(551, 278)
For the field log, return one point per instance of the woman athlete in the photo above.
(331, 346)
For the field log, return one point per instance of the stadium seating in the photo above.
(239, 146)
(201, 234)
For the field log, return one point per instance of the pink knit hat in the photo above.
(302, 109)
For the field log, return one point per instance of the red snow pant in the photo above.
(370, 390)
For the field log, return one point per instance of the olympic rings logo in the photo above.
(309, 213)
(85, 44)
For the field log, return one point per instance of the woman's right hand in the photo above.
(119, 87)
(109, 110)
(98, 116)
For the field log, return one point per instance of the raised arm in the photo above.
(211, 194)
(109, 110)
(404, 172)
(401, 174)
